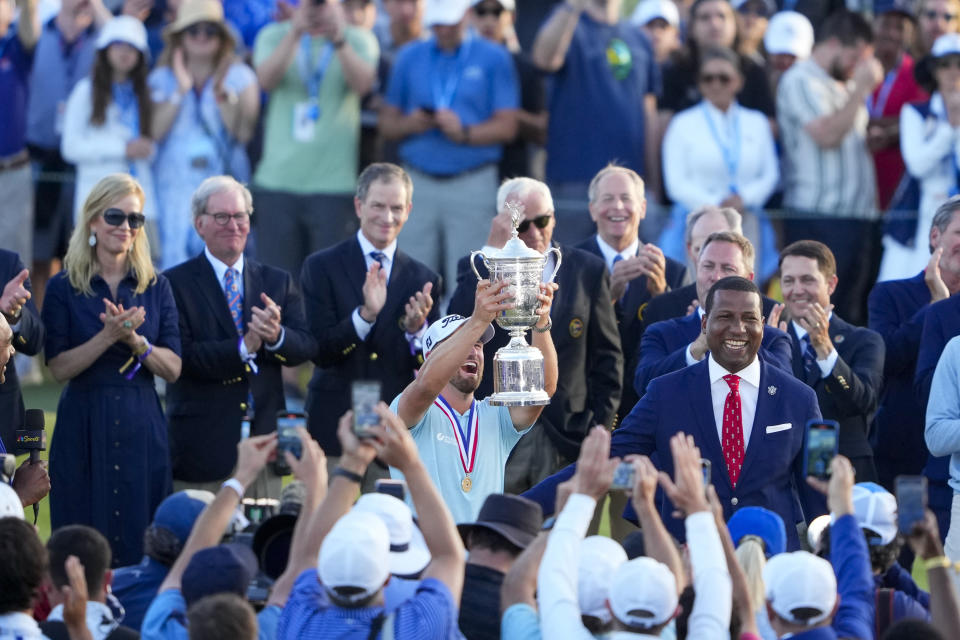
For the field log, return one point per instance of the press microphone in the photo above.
(32, 438)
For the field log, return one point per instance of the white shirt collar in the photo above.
(366, 246)
(751, 373)
(721, 115)
(610, 254)
(220, 267)
(801, 331)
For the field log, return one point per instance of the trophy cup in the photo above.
(518, 367)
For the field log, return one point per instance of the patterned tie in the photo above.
(810, 365)
(380, 257)
(616, 259)
(234, 300)
(733, 448)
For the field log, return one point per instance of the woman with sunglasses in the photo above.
(720, 153)
(112, 326)
(106, 127)
(207, 104)
(931, 152)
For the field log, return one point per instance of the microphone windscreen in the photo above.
(33, 419)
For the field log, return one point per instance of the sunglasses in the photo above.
(223, 219)
(488, 11)
(949, 62)
(710, 78)
(206, 29)
(540, 222)
(933, 15)
(115, 218)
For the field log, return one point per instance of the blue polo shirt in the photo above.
(136, 586)
(57, 67)
(15, 64)
(475, 82)
(596, 101)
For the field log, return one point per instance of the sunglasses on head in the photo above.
(949, 61)
(710, 78)
(115, 217)
(540, 222)
(483, 11)
(206, 29)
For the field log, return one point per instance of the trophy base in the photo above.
(519, 398)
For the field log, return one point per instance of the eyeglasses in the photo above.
(710, 78)
(933, 15)
(948, 62)
(223, 219)
(115, 217)
(488, 11)
(540, 222)
(206, 29)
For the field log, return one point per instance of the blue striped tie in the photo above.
(380, 257)
(810, 361)
(231, 289)
(616, 259)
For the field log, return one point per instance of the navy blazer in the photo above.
(772, 472)
(674, 304)
(587, 342)
(850, 393)
(629, 312)
(27, 339)
(896, 310)
(663, 349)
(332, 283)
(206, 404)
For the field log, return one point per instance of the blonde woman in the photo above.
(111, 326)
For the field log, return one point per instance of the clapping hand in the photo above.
(265, 322)
(120, 325)
(418, 308)
(773, 320)
(374, 292)
(816, 322)
(933, 278)
(15, 295)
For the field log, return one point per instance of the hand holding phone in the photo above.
(288, 439)
(623, 477)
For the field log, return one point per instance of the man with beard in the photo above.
(466, 460)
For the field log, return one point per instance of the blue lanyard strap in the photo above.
(445, 82)
(312, 78)
(731, 150)
(876, 107)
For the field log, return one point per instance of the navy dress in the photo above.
(109, 459)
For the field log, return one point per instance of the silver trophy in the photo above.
(518, 367)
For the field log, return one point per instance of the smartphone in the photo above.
(911, 501)
(366, 395)
(623, 477)
(391, 487)
(288, 439)
(823, 444)
(706, 468)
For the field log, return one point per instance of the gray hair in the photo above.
(944, 214)
(611, 169)
(214, 185)
(734, 220)
(520, 188)
(383, 172)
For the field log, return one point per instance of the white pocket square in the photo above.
(778, 427)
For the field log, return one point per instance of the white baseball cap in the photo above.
(600, 557)
(876, 511)
(800, 580)
(356, 553)
(126, 29)
(10, 505)
(509, 5)
(408, 554)
(649, 10)
(643, 593)
(946, 45)
(444, 328)
(815, 530)
(445, 12)
(789, 32)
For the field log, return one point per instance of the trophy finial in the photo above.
(516, 210)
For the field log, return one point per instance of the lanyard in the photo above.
(313, 78)
(731, 150)
(876, 106)
(445, 84)
(126, 101)
(466, 441)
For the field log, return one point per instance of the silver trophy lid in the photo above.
(515, 249)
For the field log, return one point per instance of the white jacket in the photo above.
(19, 626)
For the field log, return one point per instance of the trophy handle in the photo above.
(473, 264)
(556, 267)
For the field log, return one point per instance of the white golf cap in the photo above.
(445, 12)
(408, 554)
(126, 29)
(800, 580)
(946, 45)
(643, 593)
(509, 5)
(876, 511)
(649, 10)
(356, 553)
(815, 531)
(10, 505)
(600, 557)
(444, 328)
(789, 32)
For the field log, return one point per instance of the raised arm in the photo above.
(657, 541)
(523, 417)
(554, 37)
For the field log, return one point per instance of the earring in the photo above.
(92, 240)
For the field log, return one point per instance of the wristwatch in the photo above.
(546, 328)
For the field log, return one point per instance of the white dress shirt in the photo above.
(610, 254)
(361, 326)
(827, 364)
(749, 391)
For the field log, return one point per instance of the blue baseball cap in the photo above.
(180, 510)
(903, 7)
(225, 568)
(762, 523)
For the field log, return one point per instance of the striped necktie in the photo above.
(810, 366)
(616, 259)
(231, 289)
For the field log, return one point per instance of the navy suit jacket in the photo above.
(206, 404)
(674, 304)
(663, 349)
(896, 311)
(772, 470)
(587, 342)
(28, 339)
(332, 283)
(629, 312)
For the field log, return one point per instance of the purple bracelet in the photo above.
(140, 359)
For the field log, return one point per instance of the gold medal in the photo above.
(466, 484)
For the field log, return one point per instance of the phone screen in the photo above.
(288, 439)
(366, 395)
(823, 442)
(706, 468)
(623, 477)
(911, 501)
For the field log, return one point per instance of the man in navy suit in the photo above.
(584, 332)
(896, 311)
(747, 417)
(368, 305)
(233, 348)
(679, 342)
(841, 362)
(638, 272)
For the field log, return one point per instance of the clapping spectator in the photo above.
(206, 106)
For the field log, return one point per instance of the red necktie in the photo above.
(733, 448)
